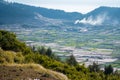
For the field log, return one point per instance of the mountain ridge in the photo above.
(20, 13)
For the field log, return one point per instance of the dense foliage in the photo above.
(72, 61)
(108, 69)
(74, 72)
(8, 41)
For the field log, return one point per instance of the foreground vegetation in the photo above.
(28, 72)
(14, 51)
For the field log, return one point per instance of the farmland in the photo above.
(83, 42)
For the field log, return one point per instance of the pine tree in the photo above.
(94, 68)
(42, 50)
(108, 69)
(72, 61)
(49, 52)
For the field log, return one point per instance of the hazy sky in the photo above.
(82, 6)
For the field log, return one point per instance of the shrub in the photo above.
(33, 57)
(6, 56)
(19, 58)
(11, 57)
(108, 69)
(8, 41)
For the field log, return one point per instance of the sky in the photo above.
(82, 6)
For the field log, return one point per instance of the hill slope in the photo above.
(18, 12)
(27, 72)
(12, 64)
(102, 15)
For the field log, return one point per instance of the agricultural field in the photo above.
(87, 43)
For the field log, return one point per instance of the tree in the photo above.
(33, 48)
(72, 61)
(8, 41)
(42, 50)
(108, 69)
(49, 52)
(94, 68)
(55, 57)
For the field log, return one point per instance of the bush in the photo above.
(33, 57)
(19, 58)
(6, 56)
(8, 41)
(49, 63)
(11, 57)
(108, 69)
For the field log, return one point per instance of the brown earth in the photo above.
(28, 72)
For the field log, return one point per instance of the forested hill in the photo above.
(111, 11)
(108, 14)
(16, 13)
(21, 11)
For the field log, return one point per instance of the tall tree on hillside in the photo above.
(108, 69)
(94, 68)
(49, 52)
(42, 50)
(72, 61)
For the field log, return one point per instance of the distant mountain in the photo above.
(102, 15)
(113, 12)
(10, 12)
(20, 13)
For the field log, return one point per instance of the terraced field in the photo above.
(87, 43)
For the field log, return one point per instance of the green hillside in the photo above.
(15, 55)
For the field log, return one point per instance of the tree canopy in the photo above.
(8, 41)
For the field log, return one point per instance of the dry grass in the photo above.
(28, 71)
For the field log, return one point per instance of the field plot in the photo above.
(88, 44)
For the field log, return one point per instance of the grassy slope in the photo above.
(27, 72)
